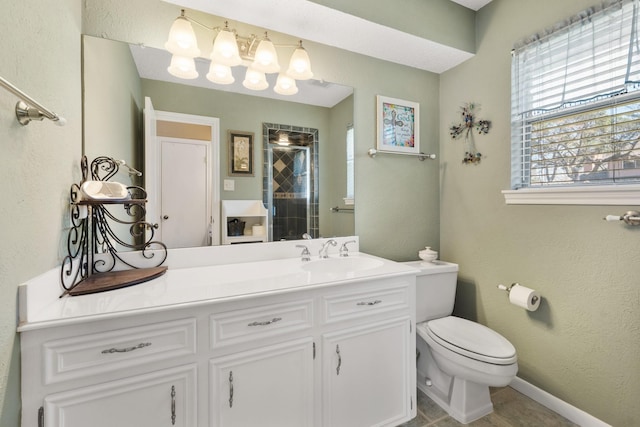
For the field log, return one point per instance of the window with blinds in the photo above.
(576, 103)
(349, 198)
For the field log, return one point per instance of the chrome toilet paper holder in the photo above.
(502, 287)
(505, 288)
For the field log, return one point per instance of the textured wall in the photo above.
(582, 345)
(40, 45)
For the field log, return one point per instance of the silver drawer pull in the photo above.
(378, 301)
(126, 349)
(268, 322)
(173, 405)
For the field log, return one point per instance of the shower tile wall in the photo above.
(267, 185)
(289, 194)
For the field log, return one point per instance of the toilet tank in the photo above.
(435, 289)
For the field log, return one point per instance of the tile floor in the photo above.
(510, 409)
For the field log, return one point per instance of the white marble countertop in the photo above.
(190, 283)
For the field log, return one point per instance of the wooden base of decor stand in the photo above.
(100, 282)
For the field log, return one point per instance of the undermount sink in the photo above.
(342, 265)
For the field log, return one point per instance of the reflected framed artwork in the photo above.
(398, 125)
(240, 153)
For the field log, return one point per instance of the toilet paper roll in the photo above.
(524, 297)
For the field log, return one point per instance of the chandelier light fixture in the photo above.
(229, 50)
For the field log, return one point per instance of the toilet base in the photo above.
(466, 401)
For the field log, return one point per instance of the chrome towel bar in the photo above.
(28, 108)
(421, 156)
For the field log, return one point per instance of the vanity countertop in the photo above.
(188, 285)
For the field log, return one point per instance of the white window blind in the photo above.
(576, 102)
(350, 165)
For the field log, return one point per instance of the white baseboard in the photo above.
(558, 406)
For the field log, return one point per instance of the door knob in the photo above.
(165, 217)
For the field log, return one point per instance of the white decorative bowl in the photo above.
(427, 254)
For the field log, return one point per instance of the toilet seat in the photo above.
(470, 339)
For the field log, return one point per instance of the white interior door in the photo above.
(175, 202)
(185, 217)
(151, 159)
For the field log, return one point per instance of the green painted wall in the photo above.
(40, 45)
(113, 104)
(441, 21)
(333, 182)
(582, 344)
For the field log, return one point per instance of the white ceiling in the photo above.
(473, 4)
(318, 23)
(152, 64)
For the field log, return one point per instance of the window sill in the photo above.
(597, 195)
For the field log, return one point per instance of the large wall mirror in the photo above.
(117, 77)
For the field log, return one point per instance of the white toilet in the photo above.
(457, 359)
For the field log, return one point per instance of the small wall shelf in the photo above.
(251, 212)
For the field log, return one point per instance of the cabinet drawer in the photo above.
(340, 307)
(260, 322)
(102, 352)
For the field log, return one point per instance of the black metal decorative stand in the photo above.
(92, 243)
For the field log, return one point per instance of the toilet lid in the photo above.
(472, 340)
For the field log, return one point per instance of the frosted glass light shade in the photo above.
(225, 49)
(255, 80)
(299, 65)
(266, 58)
(182, 40)
(285, 85)
(220, 74)
(183, 67)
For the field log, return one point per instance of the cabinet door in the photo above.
(162, 398)
(267, 387)
(366, 375)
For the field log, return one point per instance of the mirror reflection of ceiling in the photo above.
(321, 24)
(152, 64)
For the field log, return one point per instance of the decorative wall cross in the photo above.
(465, 128)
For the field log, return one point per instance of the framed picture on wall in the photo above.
(240, 153)
(398, 124)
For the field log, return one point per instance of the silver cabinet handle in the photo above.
(268, 322)
(230, 389)
(339, 359)
(370, 303)
(126, 349)
(173, 405)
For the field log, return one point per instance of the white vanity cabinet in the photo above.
(368, 368)
(268, 386)
(364, 375)
(136, 371)
(161, 398)
(336, 353)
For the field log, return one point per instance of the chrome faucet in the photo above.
(307, 236)
(344, 251)
(305, 255)
(325, 248)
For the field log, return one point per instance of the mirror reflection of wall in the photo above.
(114, 130)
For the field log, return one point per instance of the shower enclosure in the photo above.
(290, 187)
